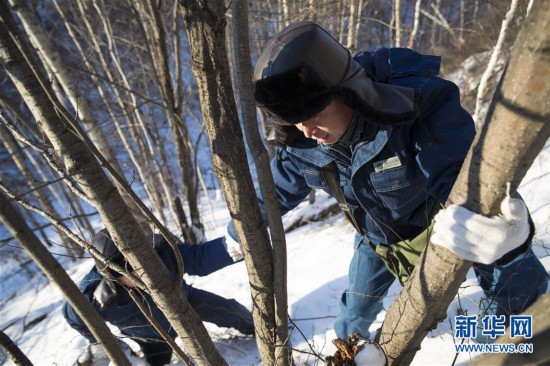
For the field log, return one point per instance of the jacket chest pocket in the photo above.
(314, 178)
(403, 187)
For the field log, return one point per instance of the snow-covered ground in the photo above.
(318, 257)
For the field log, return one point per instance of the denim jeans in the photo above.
(513, 287)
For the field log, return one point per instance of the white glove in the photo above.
(233, 248)
(93, 353)
(370, 355)
(478, 238)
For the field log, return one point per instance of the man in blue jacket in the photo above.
(108, 292)
(386, 137)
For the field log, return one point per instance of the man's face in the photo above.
(127, 282)
(328, 126)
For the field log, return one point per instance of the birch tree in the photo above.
(80, 166)
(205, 26)
(502, 152)
(44, 200)
(482, 89)
(156, 40)
(541, 332)
(416, 23)
(137, 94)
(55, 273)
(12, 351)
(259, 154)
(354, 23)
(397, 22)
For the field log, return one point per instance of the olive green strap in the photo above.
(401, 257)
(330, 173)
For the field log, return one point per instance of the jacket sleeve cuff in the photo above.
(510, 256)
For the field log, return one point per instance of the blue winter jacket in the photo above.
(200, 260)
(390, 176)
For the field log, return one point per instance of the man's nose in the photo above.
(308, 131)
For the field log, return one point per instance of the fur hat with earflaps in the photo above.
(304, 68)
(106, 291)
(105, 245)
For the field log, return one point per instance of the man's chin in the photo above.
(328, 141)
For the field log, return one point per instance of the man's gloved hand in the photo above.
(233, 248)
(357, 351)
(370, 355)
(93, 353)
(478, 238)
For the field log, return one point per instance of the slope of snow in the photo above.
(318, 257)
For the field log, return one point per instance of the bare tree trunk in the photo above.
(312, 14)
(416, 23)
(9, 106)
(13, 149)
(495, 56)
(283, 351)
(13, 352)
(502, 152)
(540, 311)
(55, 273)
(146, 311)
(80, 164)
(81, 106)
(461, 27)
(354, 14)
(126, 103)
(435, 29)
(286, 13)
(157, 42)
(341, 23)
(40, 40)
(397, 22)
(40, 169)
(205, 25)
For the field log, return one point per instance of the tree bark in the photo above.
(39, 38)
(502, 152)
(397, 22)
(125, 100)
(416, 23)
(55, 273)
(81, 106)
(243, 71)
(354, 14)
(13, 352)
(80, 164)
(541, 335)
(205, 26)
(56, 191)
(13, 149)
(482, 89)
(155, 34)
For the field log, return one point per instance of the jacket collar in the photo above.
(366, 151)
(371, 141)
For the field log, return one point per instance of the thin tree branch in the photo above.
(61, 227)
(159, 328)
(45, 152)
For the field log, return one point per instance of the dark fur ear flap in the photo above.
(372, 115)
(295, 95)
(281, 135)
